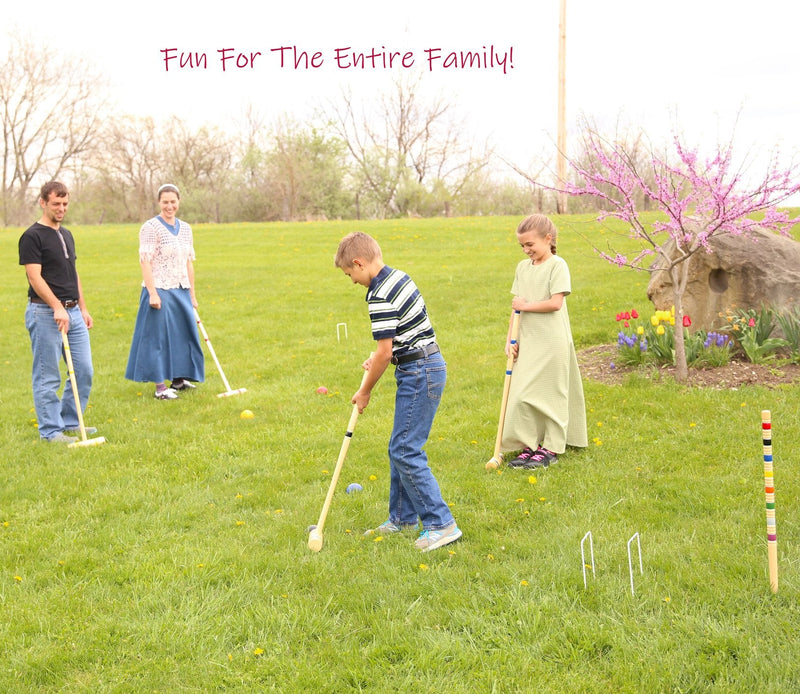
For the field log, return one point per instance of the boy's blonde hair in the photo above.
(542, 225)
(356, 245)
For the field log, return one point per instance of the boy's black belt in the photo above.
(66, 303)
(414, 354)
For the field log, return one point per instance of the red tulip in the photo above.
(634, 313)
(687, 321)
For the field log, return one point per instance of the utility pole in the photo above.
(561, 204)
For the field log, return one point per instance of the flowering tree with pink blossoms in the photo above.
(698, 198)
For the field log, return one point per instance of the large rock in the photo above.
(742, 272)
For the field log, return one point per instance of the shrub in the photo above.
(752, 330)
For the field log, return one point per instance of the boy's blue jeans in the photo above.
(55, 413)
(413, 491)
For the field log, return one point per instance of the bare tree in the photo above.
(50, 108)
(128, 168)
(405, 142)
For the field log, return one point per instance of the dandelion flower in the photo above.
(258, 651)
(423, 567)
(523, 583)
(532, 479)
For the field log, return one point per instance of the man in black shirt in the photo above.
(55, 305)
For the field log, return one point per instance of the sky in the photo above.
(710, 70)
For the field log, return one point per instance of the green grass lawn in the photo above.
(174, 558)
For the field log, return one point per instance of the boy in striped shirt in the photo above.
(405, 338)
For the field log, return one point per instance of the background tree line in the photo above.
(397, 154)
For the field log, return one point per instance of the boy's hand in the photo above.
(361, 400)
(374, 365)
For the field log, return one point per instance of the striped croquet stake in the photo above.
(769, 491)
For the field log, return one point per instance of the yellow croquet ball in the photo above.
(247, 414)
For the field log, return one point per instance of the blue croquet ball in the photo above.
(354, 487)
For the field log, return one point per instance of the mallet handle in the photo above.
(506, 385)
(211, 350)
(71, 370)
(315, 538)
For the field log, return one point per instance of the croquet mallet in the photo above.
(497, 459)
(97, 440)
(228, 391)
(315, 536)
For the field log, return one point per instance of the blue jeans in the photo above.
(413, 490)
(55, 413)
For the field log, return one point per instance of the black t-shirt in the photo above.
(41, 245)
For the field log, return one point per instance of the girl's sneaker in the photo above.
(542, 458)
(522, 459)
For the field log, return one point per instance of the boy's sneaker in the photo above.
(542, 458)
(433, 539)
(521, 460)
(182, 384)
(166, 394)
(387, 528)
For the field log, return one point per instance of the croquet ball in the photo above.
(247, 414)
(354, 487)
(322, 390)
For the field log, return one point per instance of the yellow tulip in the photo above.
(660, 330)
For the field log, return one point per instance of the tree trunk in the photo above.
(679, 275)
